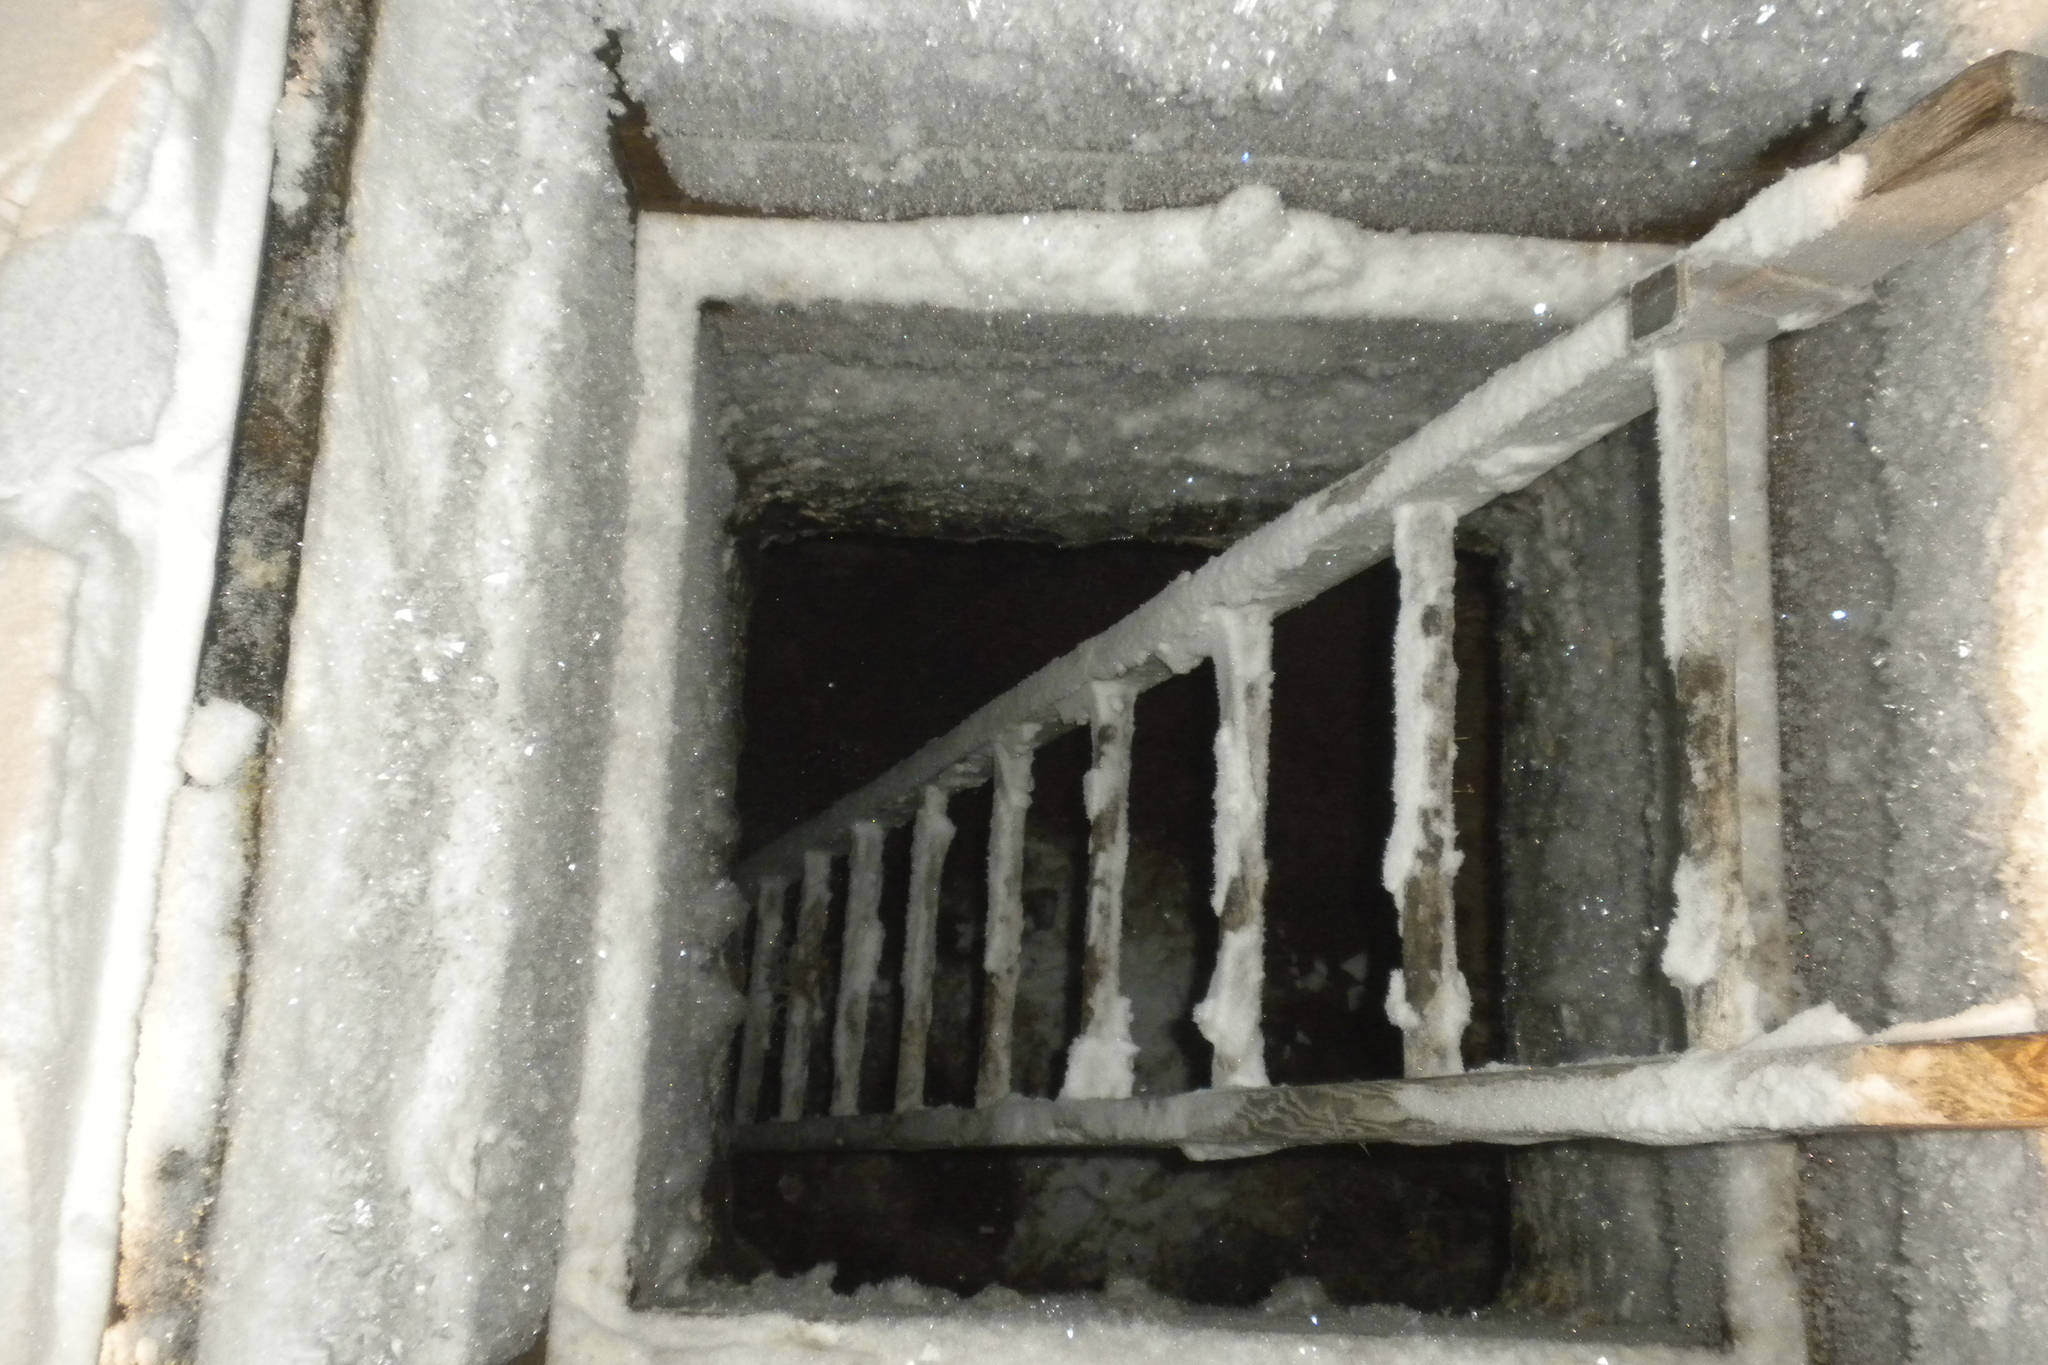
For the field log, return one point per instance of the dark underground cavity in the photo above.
(861, 648)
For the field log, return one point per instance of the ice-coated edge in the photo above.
(1245, 257)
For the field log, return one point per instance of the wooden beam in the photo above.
(930, 836)
(769, 897)
(1707, 953)
(1427, 1000)
(1229, 1016)
(1746, 386)
(1697, 1097)
(860, 957)
(1800, 252)
(1099, 1060)
(1003, 938)
(806, 982)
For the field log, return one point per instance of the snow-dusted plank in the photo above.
(806, 981)
(1003, 937)
(930, 837)
(1229, 1015)
(1729, 948)
(769, 897)
(1798, 253)
(1427, 998)
(1707, 952)
(1099, 1061)
(860, 956)
(1702, 1096)
(1746, 388)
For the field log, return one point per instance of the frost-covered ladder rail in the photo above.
(1801, 252)
(1427, 999)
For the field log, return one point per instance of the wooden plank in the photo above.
(860, 957)
(769, 897)
(1099, 1060)
(1714, 439)
(1703, 1096)
(1800, 252)
(1003, 939)
(1428, 1000)
(806, 981)
(1229, 1014)
(930, 836)
(1707, 951)
(1746, 388)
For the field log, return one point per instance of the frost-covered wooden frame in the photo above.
(1683, 334)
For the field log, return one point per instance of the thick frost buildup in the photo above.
(1400, 1013)
(1100, 1063)
(185, 1038)
(88, 350)
(2016, 1014)
(220, 737)
(1823, 1023)
(421, 942)
(1229, 1015)
(1797, 210)
(1245, 257)
(1694, 949)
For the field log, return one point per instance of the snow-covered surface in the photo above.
(133, 154)
(187, 1026)
(421, 942)
(1637, 118)
(1246, 257)
(1675, 1102)
(1795, 212)
(801, 1320)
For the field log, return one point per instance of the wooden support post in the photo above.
(1003, 941)
(1427, 999)
(769, 897)
(860, 957)
(1229, 1015)
(1099, 1060)
(1708, 950)
(1669, 1101)
(1715, 477)
(929, 839)
(1746, 382)
(806, 982)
